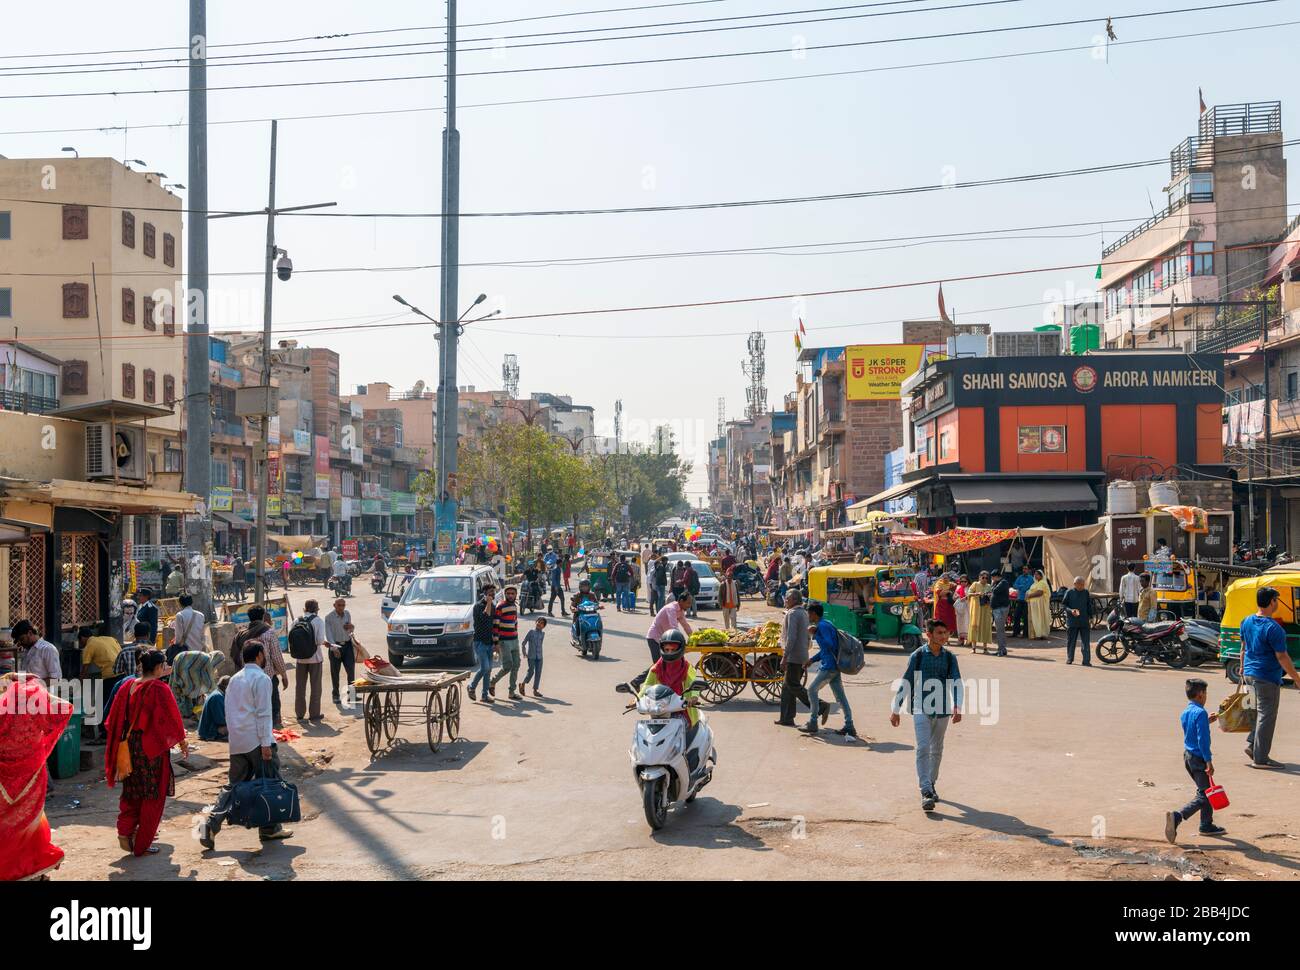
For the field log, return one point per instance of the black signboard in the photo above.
(1214, 543)
(1104, 379)
(1180, 544)
(1129, 539)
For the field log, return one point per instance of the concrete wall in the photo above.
(40, 448)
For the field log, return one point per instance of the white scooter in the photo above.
(671, 761)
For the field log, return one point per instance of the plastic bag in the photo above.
(1237, 712)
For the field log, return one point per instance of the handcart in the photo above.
(382, 710)
(748, 657)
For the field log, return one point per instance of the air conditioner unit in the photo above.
(115, 452)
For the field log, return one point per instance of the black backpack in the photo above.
(302, 640)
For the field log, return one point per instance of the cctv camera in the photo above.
(284, 268)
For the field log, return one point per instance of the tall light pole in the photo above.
(448, 400)
(198, 388)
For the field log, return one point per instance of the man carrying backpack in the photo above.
(260, 631)
(827, 658)
(307, 642)
(933, 683)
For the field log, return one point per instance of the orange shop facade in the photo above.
(1013, 441)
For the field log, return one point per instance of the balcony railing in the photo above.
(1229, 324)
(225, 422)
(30, 403)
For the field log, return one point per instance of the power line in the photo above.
(646, 61)
(329, 116)
(433, 48)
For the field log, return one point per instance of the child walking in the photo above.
(1196, 759)
(533, 653)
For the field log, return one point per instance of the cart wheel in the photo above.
(392, 711)
(766, 677)
(452, 717)
(374, 721)
(1058, 615)
(433, 719)
(721, 678)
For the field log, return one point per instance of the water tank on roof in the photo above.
(1121, 498)
(1084, 337)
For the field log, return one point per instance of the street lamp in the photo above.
(69, 148)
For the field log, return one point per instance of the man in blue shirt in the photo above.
(932, 681)
(1197, 761)
(828, 672)
(1264, 659)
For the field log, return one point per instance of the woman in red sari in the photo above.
(31, 721)
(146, 717)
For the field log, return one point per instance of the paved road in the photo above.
(1069, 779)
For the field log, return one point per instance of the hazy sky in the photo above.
(880, 128)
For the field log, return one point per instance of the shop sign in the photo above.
(876, 372)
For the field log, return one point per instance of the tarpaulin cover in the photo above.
(955, 540)
(1190, 518)
(1080, 551)
(31, 721)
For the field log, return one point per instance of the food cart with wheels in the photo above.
(1239, 603)
(874, 603)
(730, 660)
(440, 711)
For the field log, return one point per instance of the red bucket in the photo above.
(1217, 796)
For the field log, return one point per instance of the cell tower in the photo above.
(756, 369)
(618, 426)
(722, 416)
(510, 376)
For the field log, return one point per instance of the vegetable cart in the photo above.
(730, 661)
(382, 710)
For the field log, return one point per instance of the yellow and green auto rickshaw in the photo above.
(1239, 603)
(1175, 584)
(598, 566)
(872, 602)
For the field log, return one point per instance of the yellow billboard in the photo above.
(875, 372)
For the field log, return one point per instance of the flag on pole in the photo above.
(802, 331)
(1201, 98)
(798, 344)
(943, 310)
(1098, 276)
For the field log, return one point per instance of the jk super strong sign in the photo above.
(875, 372)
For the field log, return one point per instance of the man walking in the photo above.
(484, 635)
(338, 631)
(555, 577)
(307, 673)
(621, 575)
(505, 629)
(729, 599)
(827, 660)
(659, 583)
(1130, 590)
(1000, 603)
(932, 682)
(794, 657)
(274, 659)
(187, 629)
(252, 746)
(1264, 659)
(1078, 621)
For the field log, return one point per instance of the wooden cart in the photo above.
(727, 668)
(382, 710)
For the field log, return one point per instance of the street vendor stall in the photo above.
(729, 661)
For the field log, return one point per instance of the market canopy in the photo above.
(956, 540)
(986, 497)
(295, 543)
(791, 533)
(859, 510)
(1073, 552)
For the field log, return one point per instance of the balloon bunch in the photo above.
(297, 558)
(693, 532)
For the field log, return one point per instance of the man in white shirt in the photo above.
(187, 624)
(1130, 590)
(308, 673)
(40, 657)
(252, 746)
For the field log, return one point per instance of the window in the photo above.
(36, 384)
(76, 301)
(76, 222)
(1203, 259)
(1144, 283)
(1291, 381)
(128, 380)
(171, 457)
(6, 302)
(220, 474)
(1173, 269)
(150, 395)
(128, 230)
(128, 305)
(169, 389)
(1202, 186)
(169, 319)
(149, 240)
(169, 249)
(239, 473)
(149, 307)
(6, 226)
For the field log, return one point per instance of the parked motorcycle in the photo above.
(588, 633)
(671, 760)
(1164, 640)
(1202, 642)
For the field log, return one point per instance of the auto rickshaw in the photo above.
(1175, 584)
(1239, 603)
(872, 602)
(598, 564)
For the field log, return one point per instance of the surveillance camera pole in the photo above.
(448, 401)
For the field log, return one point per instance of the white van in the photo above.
(435, 617)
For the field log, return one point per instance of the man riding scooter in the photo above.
(585, 622)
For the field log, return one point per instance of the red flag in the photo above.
(801, 329)
(943, 310)
(1201, 97)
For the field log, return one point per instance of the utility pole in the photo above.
(448, 400)
(198, 390)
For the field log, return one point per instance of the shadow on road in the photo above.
(708, 824)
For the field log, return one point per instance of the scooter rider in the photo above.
(584, 594)
(673, 670)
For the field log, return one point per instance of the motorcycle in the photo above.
(377, 581)
(671, 760)
(1164, 640)
(1202, 642)
(749, 581)
(339, 585)
(534, 595)
(588, 632)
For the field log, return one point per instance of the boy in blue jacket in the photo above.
(1196, 759)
